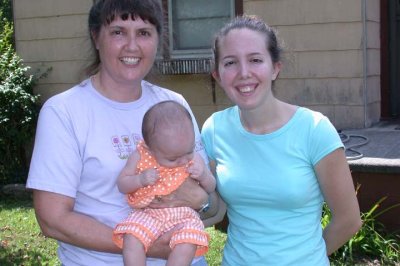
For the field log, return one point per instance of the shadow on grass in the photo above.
(8, 202)
(10, 257)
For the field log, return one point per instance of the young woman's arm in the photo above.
(216, 212)
(217, 207)
(337, 186)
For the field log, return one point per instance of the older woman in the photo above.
(86, 133)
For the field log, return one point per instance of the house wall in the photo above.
(53, 34)
(332, 58)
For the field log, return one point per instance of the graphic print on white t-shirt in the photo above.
(125, 144)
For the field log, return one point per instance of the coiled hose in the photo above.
(352, 148)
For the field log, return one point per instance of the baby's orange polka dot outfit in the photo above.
(148, 224)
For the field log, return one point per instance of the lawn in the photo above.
(21, 242)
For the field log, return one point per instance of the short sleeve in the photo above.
(324, 139)
(56, 163)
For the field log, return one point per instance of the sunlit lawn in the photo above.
(21, 242)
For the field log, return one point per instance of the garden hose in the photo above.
(352, 148)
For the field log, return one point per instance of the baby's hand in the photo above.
(149, 177)
(196, 168)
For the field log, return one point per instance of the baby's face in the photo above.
(174, 151)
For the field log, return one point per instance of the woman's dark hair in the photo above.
(253, 23)
(103, 12)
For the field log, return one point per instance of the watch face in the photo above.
(205, 207)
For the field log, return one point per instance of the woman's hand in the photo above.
(189, 194)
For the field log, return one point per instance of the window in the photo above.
(192, 24)
(191, 27)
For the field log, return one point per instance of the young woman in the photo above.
(276, 163)
(85, 135)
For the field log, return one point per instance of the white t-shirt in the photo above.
(82, 142)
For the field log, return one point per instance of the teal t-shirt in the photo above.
(268, 182)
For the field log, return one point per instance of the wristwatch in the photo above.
(206, 206)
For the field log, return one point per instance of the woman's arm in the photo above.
(216, 212)
(217, 207)
(337, 186)
(56, 218)
(189, 194)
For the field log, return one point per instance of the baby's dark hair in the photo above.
(103, 12)
(165, 114)
(253, 23)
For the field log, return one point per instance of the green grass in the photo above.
(214, 254)
(21, 242)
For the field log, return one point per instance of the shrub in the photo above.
(6, 10)
(18, 110)
(371, 241)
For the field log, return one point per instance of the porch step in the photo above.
(374, 149)
(374, 159)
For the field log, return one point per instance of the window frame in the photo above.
(189, 53)
(175, 62)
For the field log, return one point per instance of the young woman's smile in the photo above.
(246, 71)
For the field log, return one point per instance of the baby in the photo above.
(159, 166)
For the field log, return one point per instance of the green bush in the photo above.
(18, 110)
(6, 10)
